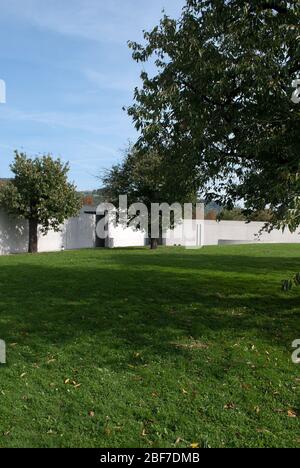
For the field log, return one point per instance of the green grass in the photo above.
(169, 348)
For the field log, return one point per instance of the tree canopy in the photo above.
(146, 178)
(40, 192)
(219, 104)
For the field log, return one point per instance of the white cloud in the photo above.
(98, 20)
(99, 124)
(124, 82)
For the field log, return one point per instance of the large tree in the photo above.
(220, 100)
(40, 193)
(146, 177)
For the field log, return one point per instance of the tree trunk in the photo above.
(33, 236)
(153, 244)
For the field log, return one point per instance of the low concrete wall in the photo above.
(240, 232)
(198, 233)
(13, 235)
(186, 234)
(121, 236)
(189, 233)
(76, 233)
(79, 232)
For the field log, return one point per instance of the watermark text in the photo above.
(296, 353)
(296, 93)
(2, 352)
(176, 223)
(2, 92)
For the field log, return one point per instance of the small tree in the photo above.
(146, 177)
(40, 192)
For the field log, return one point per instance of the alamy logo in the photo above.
(156, 222)
(2, 352)
(296, 93)
(2, 92)
(296, 354)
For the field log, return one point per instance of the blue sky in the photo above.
(68, 73)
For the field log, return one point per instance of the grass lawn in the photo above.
(133, 348)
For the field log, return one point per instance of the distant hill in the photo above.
(92, 197)
(95, 197)
(4, 181)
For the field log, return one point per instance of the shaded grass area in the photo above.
(132, 348)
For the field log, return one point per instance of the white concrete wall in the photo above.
(186, 234)
(13, 235)
(79, 233)
(217, 233)
(199, 233)
(126, 237)
(189, 233)
(52, 242)
(76, 233)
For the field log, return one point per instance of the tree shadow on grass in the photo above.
(235, 262)
(138, 304)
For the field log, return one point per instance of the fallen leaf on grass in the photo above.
(137, 378)
(190, 346)
(246, 386)
(292, 414)
(91, 414)
(50, 361)
(73, 382)
(263, 431)
(194, 445)
(229, 406)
